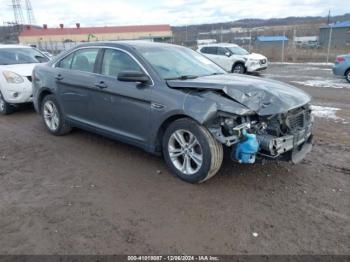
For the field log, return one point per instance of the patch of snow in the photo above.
(317, 68)
(328, 83)
(325, 112)
(309, 63)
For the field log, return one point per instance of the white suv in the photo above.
(234, 58)
(16, 66)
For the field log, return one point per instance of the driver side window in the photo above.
(116, 61)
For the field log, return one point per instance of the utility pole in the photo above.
(294, 44)
(329, 41)
(328, 18)
(284, 36)
(250, 39)
(221, 37)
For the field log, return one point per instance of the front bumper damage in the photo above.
(288, 148)
(286, 137)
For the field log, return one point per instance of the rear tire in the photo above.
(5, 108)
(238, 68)
(347, 75)
(52, 117)
(195, 157)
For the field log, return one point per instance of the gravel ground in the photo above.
(84, 194)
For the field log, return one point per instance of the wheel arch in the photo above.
(164, 126)
(239, 62)
(44, 92)
(347, 71)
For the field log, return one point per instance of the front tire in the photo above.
(52, 116)
(5, 108)
(238, 68)
(347, 75)
(191, 152)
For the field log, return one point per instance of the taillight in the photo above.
(339, 59)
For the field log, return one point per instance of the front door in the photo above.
(122, 108)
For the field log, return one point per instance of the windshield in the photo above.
(236, 50)
(174, 62)
(13, 56)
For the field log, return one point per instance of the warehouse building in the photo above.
(271, 41)
(30, 35)
(340, 36)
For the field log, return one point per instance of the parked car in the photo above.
(342, 66)
(312, 44)
(234, 58)
(173, 101)
(16, 66)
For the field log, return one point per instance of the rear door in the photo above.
(122, 108)
(210, 52)
(75, 79)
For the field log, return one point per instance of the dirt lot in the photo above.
(84, 194)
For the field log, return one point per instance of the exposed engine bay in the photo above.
(285, 136)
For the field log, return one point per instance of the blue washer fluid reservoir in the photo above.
(247, 149)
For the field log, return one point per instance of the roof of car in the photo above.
(220, 45)
(129, 44)
(14, 46)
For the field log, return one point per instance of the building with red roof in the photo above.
(32, 35)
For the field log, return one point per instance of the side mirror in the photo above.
(228, 54)
(133, 76)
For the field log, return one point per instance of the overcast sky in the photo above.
(174, 12)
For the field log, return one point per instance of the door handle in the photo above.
(101, 85)
(59, 77)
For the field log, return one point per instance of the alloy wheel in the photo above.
(51, 115)
(185, 152)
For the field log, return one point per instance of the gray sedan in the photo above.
(172, 101)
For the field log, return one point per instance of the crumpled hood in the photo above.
(263, 96)
(21, 69)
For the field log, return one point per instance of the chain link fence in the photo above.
(279, 44)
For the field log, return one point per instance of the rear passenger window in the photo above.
(84, 60)
(209, 50)
(115, 61)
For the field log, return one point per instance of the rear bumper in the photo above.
(339, 70)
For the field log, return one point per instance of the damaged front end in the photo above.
(285, 136)
(243, 111)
